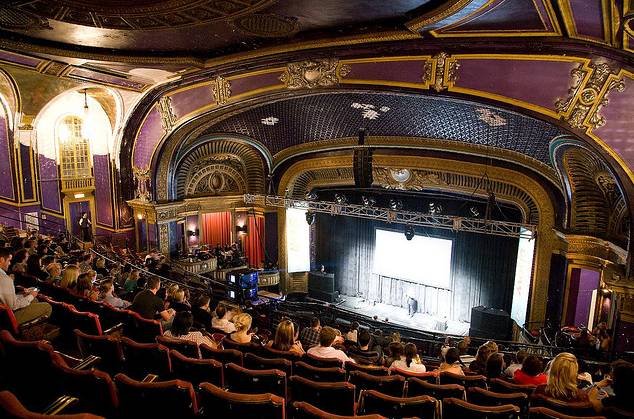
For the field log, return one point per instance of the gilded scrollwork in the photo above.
(221, 90)
(168, 118)
(164, 238)
(143, 183)
(312, 74)
(446, 71)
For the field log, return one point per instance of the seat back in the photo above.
(335, 398)
(86, 322)
(368, 369)
(374, 402)
(246, 381)
(275, 353)
(417, 387)
(568, 408)
(174, 398)
(217, 403)
(185, 347)
(456, 408)
(227, 343)
(8, 321)
(108, 348)
(545, 413)
(141, 329)
(111, 316)
(303, 410)
(142, 359)
(322, 362)
(482, 397)
(392, 385)
(255, 362)
(500, 386)
(464, 380)
(332, 374)
(196, 370)
(430, 377)
(225, 356)
(10, 407)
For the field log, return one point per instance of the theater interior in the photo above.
(452, 175)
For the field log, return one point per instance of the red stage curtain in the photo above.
(254, 242)
(216, 228)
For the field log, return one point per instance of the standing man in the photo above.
(85, 228)
(25, 307)
(412, 305)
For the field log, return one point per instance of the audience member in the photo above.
(242, 322)
(221, 322)
(69, 277)
(149, 306)
(494, 366)
(620, 379)
(353, 333)
(132, 281)
(18, 262)
(34, 267)
(179, 303)
(451, 362)
(562, 380)
(84, 286)
(327, 336)
(285, 338)
(106, 294)
(519, 358)
(411, 361)
(310, 335)
(100, 267)
(54, 271)
(362, 353)
(200, 311)
(531, 372)
(463, 345)
(181, 329)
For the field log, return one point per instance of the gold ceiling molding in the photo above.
(445, 73)
(221, 90)
(311, 74)
(444, 11)
(589, 248)
(168, 118)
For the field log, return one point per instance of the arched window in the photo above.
(74, 149)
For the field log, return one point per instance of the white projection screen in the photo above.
(424, 260)
(297, 240)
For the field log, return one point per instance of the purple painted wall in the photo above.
(587, 15)
(6, 168)
(49, 184)
(397, 71)
(188, 101)
(582, 283)
(149, 136)
(76, 210)
(103, 190)
(27, 174)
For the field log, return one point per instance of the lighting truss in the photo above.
(447, 222)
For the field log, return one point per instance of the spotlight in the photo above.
(310, 217)
(368, 201)
(311, 195)
(435, 208)
(340, 199)
(409, 232)
(396, 204)
(475, 212)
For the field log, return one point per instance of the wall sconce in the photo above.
(139, 216)
(241, 230)
(193, 233)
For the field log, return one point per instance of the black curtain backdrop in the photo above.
(482, 267)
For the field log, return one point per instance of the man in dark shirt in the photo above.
(200, 311)
(310, 335)
(148, 305)
(362, 353)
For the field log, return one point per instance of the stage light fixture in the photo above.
(340, 199)
(368, 201)
(310, 217)
(409, 232)
(311, 195)
(475, 212)
(434, 208)
(396, 204)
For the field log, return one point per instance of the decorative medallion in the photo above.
(446, 71)
(266, 25)
(401, 175)
(606, 183)
(311, 74)
(369, 111)
(406, 179)
(271, 120)
(221, 89)
(490, 118)
(142, 178)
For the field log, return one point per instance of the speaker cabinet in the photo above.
(490, 323)
(362, 168)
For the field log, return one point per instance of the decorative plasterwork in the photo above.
(591, 86)
(221, 90)
(588, 248)
(415, 180)
(143, 184)
(312, 74)
(164, 238)
(446, 71)
(168, 118)
(215, 179)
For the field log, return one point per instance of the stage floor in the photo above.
(399, 316)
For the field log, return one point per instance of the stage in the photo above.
(399, 316)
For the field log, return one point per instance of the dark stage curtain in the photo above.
(482, 267)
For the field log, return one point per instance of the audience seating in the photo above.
(274, 353)
(141, 329)
(615, 413)
(242, 380)
(568, 408)
(227, 343)
(217, 403)
(392, 385)
(10, 407)
(374, 402)
(108, 348)
(196, 370)
(303, 410)
(332, 374)
(465, 381)
(417, 387)
(501, 386)
(482, 397)
(145, 358)
(368, 369)
(255, 362)
(322, 362)
(185, 347)
(430, 377)
(459, 409)
(86, 322)
(335, 398)
(164, 399)
(225, 356)
(9, 323)
(113, 318)
(544, 413)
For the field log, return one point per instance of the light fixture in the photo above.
(434, 208)
(139, 216)
(193, 233)
(311, 195)
(396, 204)
(409, 232)
(310, 217)
(86, 123)
(79, 195)
(85, 102)
(368, 201)
(241, 230)
(340, 199)
(475, 212)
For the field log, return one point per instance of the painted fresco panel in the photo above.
(587, 16)
(27, 175)
(49, 185)
(189, 100)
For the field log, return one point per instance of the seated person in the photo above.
(531, 372)
(411, 361)
(100, 267)
(200, 311)
(495, 366)
(327, 336)
(54, 271)
(34, 267)
(221, 322)
(181, 329)
(310, 335)
(24, 305)
(361, 353)
(132, 281)
(148, 305)
(178, 303)
(106, 294)
(451, 362)
(519, 358)
(562, 380)
(286, 339)
(479, 364)
(84, 286)
(242, 323)
(353, 333)
(620, 379)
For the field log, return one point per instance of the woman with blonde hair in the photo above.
(242, 322)
(69, 277)
(285, 338)
(562, 380)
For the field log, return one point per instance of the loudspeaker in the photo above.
(490, 323)
(330, 297)
(362, 168)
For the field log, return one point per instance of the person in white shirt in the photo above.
(221, 322)
(353, 333)
(327, 336)
(25, 307)
(514, 366)
(411, 362)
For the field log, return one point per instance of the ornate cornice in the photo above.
(593, 249)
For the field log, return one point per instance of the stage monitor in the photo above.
(297, 240)
(423, 260)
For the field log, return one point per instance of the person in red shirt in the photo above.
(531, 372)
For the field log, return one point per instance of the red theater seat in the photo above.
(336, 398)
(482, 397)
(373, 402)
(500, 386)
(368, 369)
(544, 413)
(108, 348)
(466, 381)
(274, 353)
(322, 362)
(459, 409)
(142, 359)
(226, 356)
(141, 329)
(416, 387)
(164, 399)
(392, 385)
(255, 362)
(10, 407)
(568, 408)
(332, 374)
(227, 343)
(217, 403)
(196, 370)
(242, 380)
(430, 377)
(86, 322)
(303, 410)
(185, 347)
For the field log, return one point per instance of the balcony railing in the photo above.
(78, 184)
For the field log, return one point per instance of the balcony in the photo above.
(78, 184)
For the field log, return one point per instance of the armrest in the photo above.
(78, 363)
(60, 404)
(113, 329)
(150, 378)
